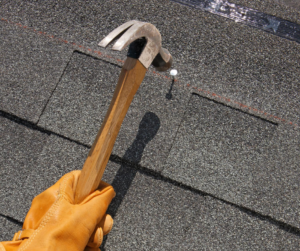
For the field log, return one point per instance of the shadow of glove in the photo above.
(54, 222)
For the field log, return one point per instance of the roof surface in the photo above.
(208, 162)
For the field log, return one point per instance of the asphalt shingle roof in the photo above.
(238, 157)
(31, 66)
(81, 99)
(209, 162)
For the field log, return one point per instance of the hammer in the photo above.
(144, 42)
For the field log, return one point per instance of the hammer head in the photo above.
(152, 52)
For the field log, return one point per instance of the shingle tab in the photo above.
(20, 149)
(8, 228)
(239, 158)
(31, 162)
(156, 215)
(58, 157)
(31, 66)
(79, 104)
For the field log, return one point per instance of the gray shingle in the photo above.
(238, 157)
(151, 214)
(276, 177)
(259, 166)
(32, 161)
(58, 157)
(20, 149)
(8, 228)
(31, 66)
(79, 104)
(213, 53)
(156, 215)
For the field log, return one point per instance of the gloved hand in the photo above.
(55, 223)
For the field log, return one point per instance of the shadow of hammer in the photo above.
(144, 42)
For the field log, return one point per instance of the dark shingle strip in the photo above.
(254, 18)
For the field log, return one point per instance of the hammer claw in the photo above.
(133, 33)
(152, 53)
(111, 36)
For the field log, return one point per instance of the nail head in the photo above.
(173, 72)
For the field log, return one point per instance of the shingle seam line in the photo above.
(177, 82)
(156, 175)
(20, 223)
(285, 226)
(52, 92)
(34, 126)
(234, 108)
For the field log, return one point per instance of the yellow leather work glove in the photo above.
(55, 223)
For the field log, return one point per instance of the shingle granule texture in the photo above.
(31, 66)
(80, 101)
(239, 158)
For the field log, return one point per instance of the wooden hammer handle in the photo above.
(132, 75)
